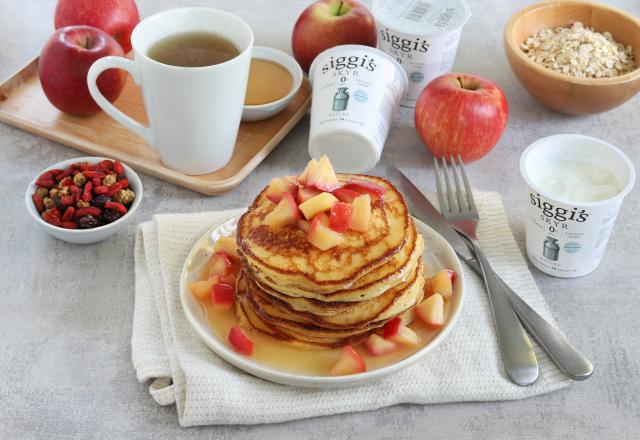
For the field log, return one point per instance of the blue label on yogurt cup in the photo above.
(416, 77)
(360, 96)
(572, 247)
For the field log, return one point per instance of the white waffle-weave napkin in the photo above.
(206, 390)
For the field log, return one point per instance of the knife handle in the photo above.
(517, 353)
(568, 359)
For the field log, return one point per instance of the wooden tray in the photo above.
(24, 105)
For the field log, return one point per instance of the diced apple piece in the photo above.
(378, 346)
(291, 185)
(322, 177)
(391, 328)
(240, 341)
(345, 195)
(350, 362)
(361, 216)
(222, 296)
(228, 245)
(321, 236)
(311, 165)
(441, 283)
(304, 225)
(365, 187)
(405, 336)
(201, 289)
(305, 194)
(340, 216)
(285, 213)
(276, 189)
(221, 264)
(317, 204)
(431, 310)
(452, 275)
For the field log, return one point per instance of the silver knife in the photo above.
(568, 359)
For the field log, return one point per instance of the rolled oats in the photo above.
(580, 52)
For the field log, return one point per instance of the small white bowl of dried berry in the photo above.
(84, 200)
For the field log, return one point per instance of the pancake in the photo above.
(372, 284)
(285, 258)
(353, 314)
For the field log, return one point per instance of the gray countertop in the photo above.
(66, 310)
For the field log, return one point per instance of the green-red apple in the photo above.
(328, 23)
(461, 114)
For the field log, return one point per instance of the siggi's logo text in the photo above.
(559, 214)
(352, 62)
(404, 44)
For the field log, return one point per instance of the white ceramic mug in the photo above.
(194, 112)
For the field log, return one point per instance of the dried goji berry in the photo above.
(46, 176)
(96, 181)
(68, 214)
(119, 207)
(84, 166)
(65, 173)
(56, 172)
(106, 165)
(114, 188)
(67, 181)
(86, 193)
(45, 183)
(91, 210)
(101, 189)
(124, 183)
(66, 200)
(92, 174)
(50, 218)
(38, 202)
(69, 225)
(55, 212)
(118, 168)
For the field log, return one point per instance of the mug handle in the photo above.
(111, 62)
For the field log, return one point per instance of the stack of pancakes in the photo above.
(297, 293)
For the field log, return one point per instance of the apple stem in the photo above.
(466, 86)
(338, 10)
(86, 43)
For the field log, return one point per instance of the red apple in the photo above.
(116, 17)
(65, 61)
(461, 114)
(328, 23)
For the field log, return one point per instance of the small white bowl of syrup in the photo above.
(274, 79)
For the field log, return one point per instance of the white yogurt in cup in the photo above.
(575, 187)
(356, 90)
(422, 36)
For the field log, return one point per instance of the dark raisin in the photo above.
(88, 222)
(59, 204)
(110, 215)
(100, 200)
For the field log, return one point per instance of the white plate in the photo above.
(437, 254)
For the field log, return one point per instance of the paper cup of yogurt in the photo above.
(356, 90)
(575, 187)
(422, 36)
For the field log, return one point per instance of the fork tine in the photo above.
(467, 187)
(447, 181)
(456, 180)
(441, 201)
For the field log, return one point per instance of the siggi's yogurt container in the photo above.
(575, 186)
(421, 35)
(356, 90)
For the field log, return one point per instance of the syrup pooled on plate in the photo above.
(268, 82)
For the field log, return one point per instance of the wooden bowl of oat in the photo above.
(575, 57)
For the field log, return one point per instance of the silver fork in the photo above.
(459, 209)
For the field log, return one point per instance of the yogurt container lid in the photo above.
(350, 48)
(422, 17)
